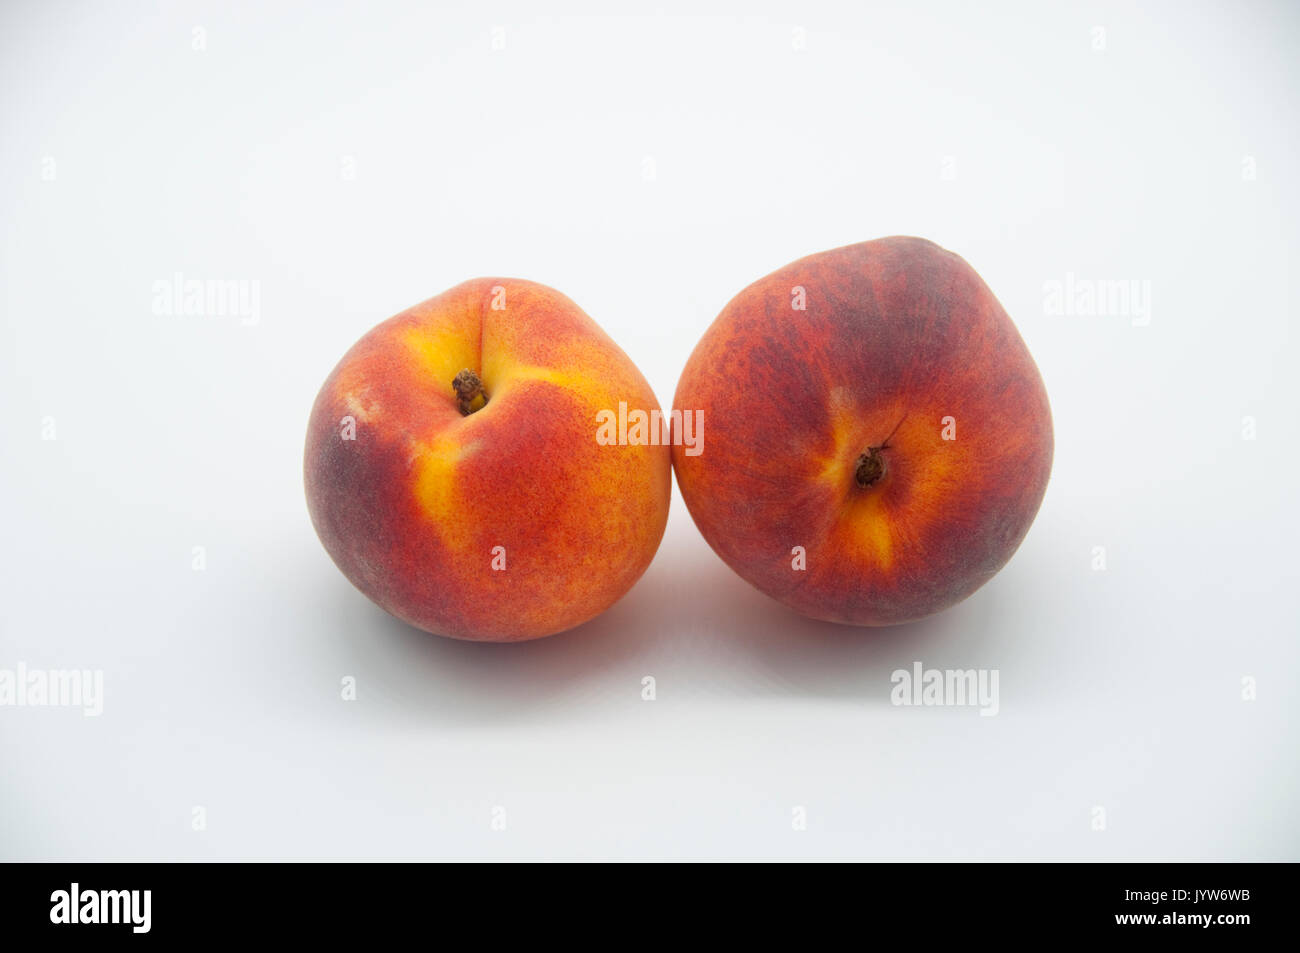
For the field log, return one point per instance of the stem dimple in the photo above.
(470, 394)
(870, 466)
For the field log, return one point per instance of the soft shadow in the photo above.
(692, 623)
(415, 672)
(759, 647)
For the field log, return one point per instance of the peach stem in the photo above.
(470, 394)
(871, 464)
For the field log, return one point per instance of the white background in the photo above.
(649, 165)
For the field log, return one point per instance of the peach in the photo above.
(879, 436)
(453, 470)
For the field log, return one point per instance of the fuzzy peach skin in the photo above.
(827, 431)
(413, 509)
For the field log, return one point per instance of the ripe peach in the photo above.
(879, 436)
(454, 475)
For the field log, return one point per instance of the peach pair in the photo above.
(862, 435)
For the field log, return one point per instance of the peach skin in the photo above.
(454, 475)
(879, 436)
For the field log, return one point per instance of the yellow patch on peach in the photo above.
(418, 508)
(897, 333)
